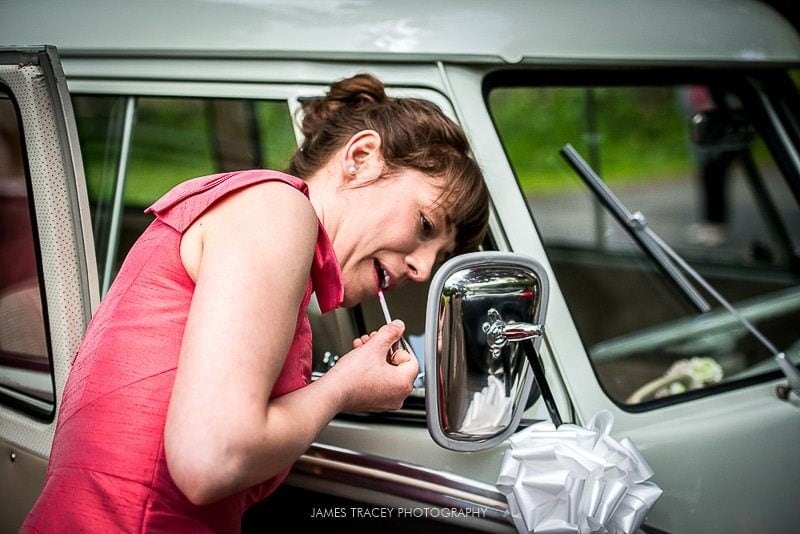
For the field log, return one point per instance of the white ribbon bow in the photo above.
(576, 479)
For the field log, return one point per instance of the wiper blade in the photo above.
(669, 260)
(636, 225)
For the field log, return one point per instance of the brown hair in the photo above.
(415, 134)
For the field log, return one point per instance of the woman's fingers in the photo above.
(357, 342)
(388, 335)
(372, 383)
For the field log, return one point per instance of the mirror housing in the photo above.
(484, 324)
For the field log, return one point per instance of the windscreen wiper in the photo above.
(636, 226)
(676, 268)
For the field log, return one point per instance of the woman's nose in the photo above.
(420, 264)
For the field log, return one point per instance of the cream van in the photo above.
(644, 169)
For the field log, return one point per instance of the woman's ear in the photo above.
(362, 160)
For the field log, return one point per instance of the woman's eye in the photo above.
(426, 226)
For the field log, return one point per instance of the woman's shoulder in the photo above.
(216, 185)
(263, 225)
(255, 176)
(187, 201)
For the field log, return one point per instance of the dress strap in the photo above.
(184, 203)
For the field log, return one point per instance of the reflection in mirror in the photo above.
(482, 310)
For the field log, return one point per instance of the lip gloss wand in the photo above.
(402, 343)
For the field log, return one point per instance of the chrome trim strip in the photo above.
(402, 480)
(119, 190)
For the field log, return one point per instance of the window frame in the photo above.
(349, 323)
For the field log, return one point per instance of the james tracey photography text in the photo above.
(385, 512)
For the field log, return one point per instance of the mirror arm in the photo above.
(544, 387)
(514, 331)
(499, 333)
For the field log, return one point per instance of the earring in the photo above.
(352, 170)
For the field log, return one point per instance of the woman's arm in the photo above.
(250, 256)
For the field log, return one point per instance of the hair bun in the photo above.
(358, 90)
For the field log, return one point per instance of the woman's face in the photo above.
(392, 231)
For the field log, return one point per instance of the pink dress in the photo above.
(107, 470)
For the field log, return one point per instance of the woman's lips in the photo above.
(382, 275)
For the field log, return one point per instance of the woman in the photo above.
(190, 397)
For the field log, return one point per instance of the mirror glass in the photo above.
(482, 307)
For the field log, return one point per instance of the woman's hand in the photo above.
(370, 383)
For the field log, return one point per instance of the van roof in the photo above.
(510, 31)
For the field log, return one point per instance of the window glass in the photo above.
(691, 159)
(25, 371)
(137, 148)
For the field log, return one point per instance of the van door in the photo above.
(48, 275)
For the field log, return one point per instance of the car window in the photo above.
(136, 148)
(693, 158)
(26, 377)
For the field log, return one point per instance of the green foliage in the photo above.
(172, 141)
(620, 131)
(277, 136)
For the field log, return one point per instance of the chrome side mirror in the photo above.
(485, 322)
